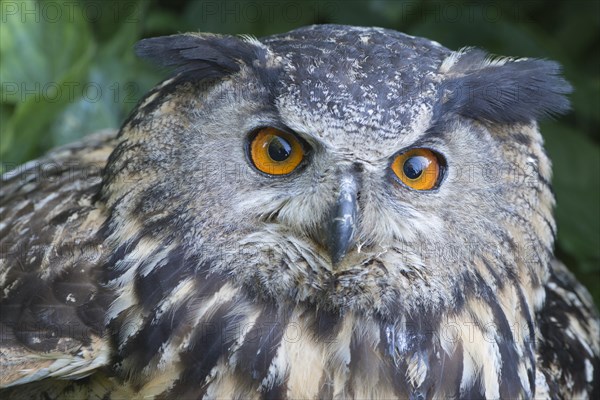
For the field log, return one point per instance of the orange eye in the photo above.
(418, 169)
(275, 152)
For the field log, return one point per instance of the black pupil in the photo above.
(279, 149)
(414, 166)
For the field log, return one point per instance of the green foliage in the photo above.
(67, 69)
(61, 78)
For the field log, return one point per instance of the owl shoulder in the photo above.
(568, 344)
(49, 248)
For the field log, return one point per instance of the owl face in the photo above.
(370, 172)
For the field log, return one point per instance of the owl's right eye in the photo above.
(276, 152)
(419, 169)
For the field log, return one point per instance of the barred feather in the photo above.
(157, 263)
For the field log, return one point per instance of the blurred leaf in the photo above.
(43, 61)
(576, 167)
(115, 83)
(356, 12)
(107, 17)
(221, 17)
(258, 18)
(471, 27)
(93, 111)
(585, 101)
(400, 12)
(5, 111)
(162, 22)
(35, 49)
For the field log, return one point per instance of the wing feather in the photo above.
(568, 348)
(50, 251)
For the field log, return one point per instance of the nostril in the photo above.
(357, 167)
(357, 171)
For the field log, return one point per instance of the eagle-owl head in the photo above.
(348, 169)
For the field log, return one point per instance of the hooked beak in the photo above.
(342, 222)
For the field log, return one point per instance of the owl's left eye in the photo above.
(419, 169)
(276, 152)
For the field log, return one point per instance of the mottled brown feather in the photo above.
(159, 262)
(50, 250)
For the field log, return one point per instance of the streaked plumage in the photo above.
(160, 262)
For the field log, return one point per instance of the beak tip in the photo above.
(337, 257)
(341, 239)
(342, 221)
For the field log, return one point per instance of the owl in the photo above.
(334, 212)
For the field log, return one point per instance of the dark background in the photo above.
(67, 69)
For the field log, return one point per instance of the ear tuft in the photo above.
(503, 90)
(202, 56)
